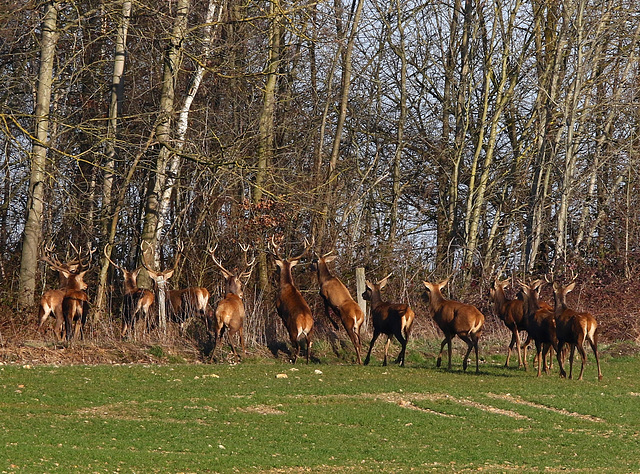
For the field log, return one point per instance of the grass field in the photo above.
(319, 418)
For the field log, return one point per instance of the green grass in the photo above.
(222, 418)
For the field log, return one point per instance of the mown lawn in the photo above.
(243, 418)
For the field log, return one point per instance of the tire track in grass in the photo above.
(560, 411)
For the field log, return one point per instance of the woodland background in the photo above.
(427, 138)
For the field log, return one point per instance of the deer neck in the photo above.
(323, 273)
(286, 277)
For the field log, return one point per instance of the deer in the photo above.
(230, 312)
(69, 304)
(290, 304)
(137, 301)
(337, 298)
(573, 328)
(511, 313)
(455, 319)
(390, 319)
(541, 324)
(181, 303)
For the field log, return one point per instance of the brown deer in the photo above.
(455, 319)
(390, 319)
(137, 301)
(511, 312)
(337, 298)
(229, 314)
(574, 328)
(160, 279)
(69, 304)
(541, 325)
(184, 303)
(291, 306)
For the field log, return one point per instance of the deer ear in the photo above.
(369, 284)
(330, 258)
(280, 263)
(428, 285)
(383, 283)
(570, 287)
(168, 275)
(293, 263)
(442, 284)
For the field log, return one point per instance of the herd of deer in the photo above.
(549, 327)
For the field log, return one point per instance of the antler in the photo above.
(109, 259)
(273, 248)
(212, 252)
(384, 279)
(307, 246)
(248, 268)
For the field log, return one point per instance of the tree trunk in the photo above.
(158, 177)
(33, 226)
(117, 95)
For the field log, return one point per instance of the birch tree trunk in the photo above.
(33, 225)
(158, 176)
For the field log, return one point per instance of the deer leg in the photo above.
(403, 343)
(524, 352)
(386, 349)
(376, 333)
(594, 347)
(583, 355)
(563, 374)
(439, 360)
(244, 350)
(230, 340)
(571, 354)
(356, 343)
(516, 339)
(539, 357)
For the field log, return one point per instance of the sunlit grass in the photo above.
(321, 417)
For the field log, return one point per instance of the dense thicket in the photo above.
(419, 137)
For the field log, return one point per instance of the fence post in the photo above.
(360, 287)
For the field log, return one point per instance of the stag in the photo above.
(337, 298)
(455, 319)
(69, 304)
(574, 328)
(291, 306)
(541, 325)
(160, 279)
(511, 312)
(390, 319)
(137, 301)
(230, 312)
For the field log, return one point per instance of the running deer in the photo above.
(69, 304)
(229, 314)
(137, 301)
(511, 312)
(574, 328)
(390, 319)
(541, 325)
(291, 306)
(337, 298)
(455, 319)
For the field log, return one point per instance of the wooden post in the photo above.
(360, 287)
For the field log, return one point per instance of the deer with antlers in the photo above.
(137, 301)
(541, 325)
(70, 303)
(391, 319)
(291, 306)
(455, 319)
(229, 314)
(511, 313)
(574, 328)
(336, 297)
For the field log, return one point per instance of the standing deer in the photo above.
(541, 325)
(574, 328)
(455, 319)
(69, 304)
(291, 306)
(182, 304)
(160, 279)
(391, 319)
(230, 312)
(336, 297)
(511, 312)
(137, 301)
